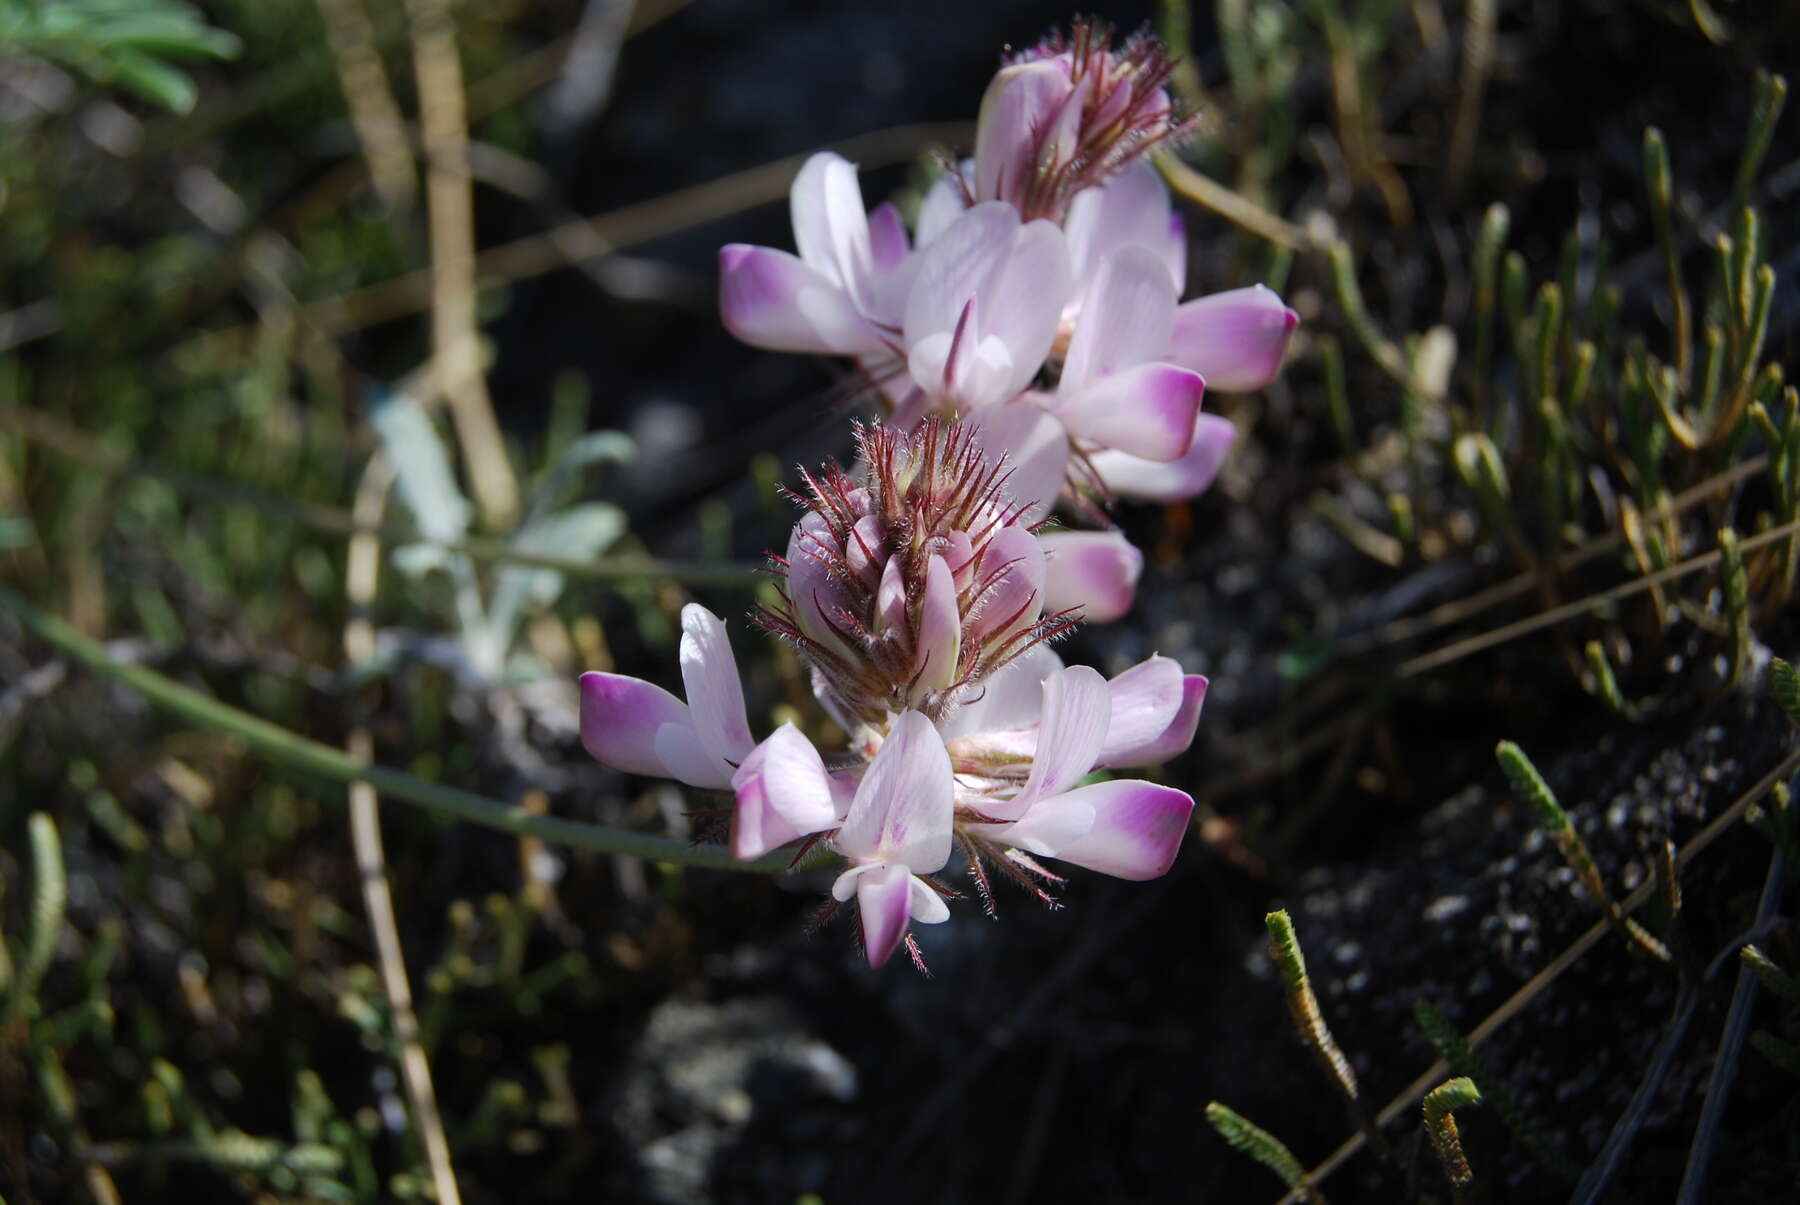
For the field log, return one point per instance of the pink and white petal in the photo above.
(1036, 450)
(715, 693)
(1137, 829)
(831, 229)
(888, 246)
(1012, 698)
(890, 598)
(679, 748)
(1010, 581)
(768, 298)
(884, 897)
(1146, 411)
(904, 806)
(1172, 480)
(1173, 740)
(939, 643)
(1174, 253)
(864, 550)
(1130, 210)
(813, 586)
(1050, 825)
(1097, 571)
(1022, 305)
(959, 554)
(955, 267)
(620, 718)
(1077, 709)
(1127, 315)
(783, 793)
(1145, 700)
(926, 905)
(945, 201)
(1026, 116)
(1234, 339)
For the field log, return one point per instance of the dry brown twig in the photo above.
(450, 208)
(373, 111)
(361, 573)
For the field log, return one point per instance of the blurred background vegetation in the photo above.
(359, 370)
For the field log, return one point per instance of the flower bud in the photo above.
(1069, 114)
(909, 583)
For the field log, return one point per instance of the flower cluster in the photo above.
(1037, 295)
(1027, 344)
(914, 591)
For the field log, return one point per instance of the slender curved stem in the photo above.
(290, 748)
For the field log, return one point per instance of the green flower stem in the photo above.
(290, 748)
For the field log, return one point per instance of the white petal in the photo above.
(884, 897)
(1049, 825)
(1145, 701)
(1174, 738)
(1235, 339)
(783, 793)
(1137, 828)
(1035, 447)
(768, 298)
(1012, 698)
(955, 267)
(1010, 581)
(1022, 306)
(1147, 410)
(943, 204)
(1094, 570)
(1127, 316)
(831, 229)
(1131, 209)
(940, 630)
(928, 907)
(1175, 480)
(904, 807)
(715, 693)
(1077, 709)
(620, 718)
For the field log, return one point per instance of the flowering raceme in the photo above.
(1038, 295)
(1031, 354)
(914, 589)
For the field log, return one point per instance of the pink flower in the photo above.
(1125, 828)
(641, 728)
(908, 585)
(982, 310)
(1001, 775)
(842, 295)
(1132, 210)
(1070, 114)
(1115, 395)
(1093, 572)
(898, 828)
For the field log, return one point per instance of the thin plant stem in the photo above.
(1581, 606)
(1234, 207)
(1534, 987)
(450, 207)
(303, 753)
(1731, 1049)
(613, 231)
(361, 576)
(373, 111)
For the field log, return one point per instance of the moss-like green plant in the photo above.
(1263, 1147)
(1438, 1109)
